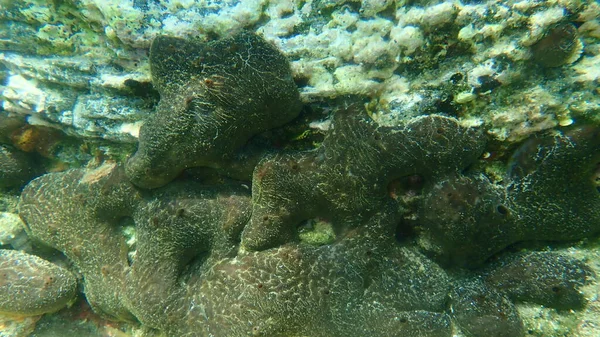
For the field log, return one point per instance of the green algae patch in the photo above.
(52, 28)
(31, 286)
(317, 232)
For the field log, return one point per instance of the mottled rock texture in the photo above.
(226, 260)
(84, 227)
(550, 193)
(30, 285)
(484, 312)
(346, 179)
(16, 167)
(551, 279)
(214, 97)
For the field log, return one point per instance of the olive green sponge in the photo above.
(30, 285)
(214, 97)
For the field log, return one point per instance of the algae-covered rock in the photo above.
(16, 167)
(30, 285)
(214, 97)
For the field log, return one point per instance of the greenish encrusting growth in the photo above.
(346, 179)
(30, 285)
(214, 97)
(549, 194)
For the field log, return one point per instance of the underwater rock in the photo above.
(551, 279)
(214, 97)
(30, 285)
(346, 179)
(40, 139)
(560, 45)
(8, 124)
(484, 312)
(16, 167)
(373, 47)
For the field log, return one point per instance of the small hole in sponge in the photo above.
(502, 209)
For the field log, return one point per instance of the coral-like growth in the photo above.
(188, 279)
(553, 185)
(463, 221)
(84, 227)
(362, 285)
(181, 230)
(346, 179)
(214, 97)
(549, 194)
(546, 278)
(30, 285)
(223, 260)
(484, 312)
